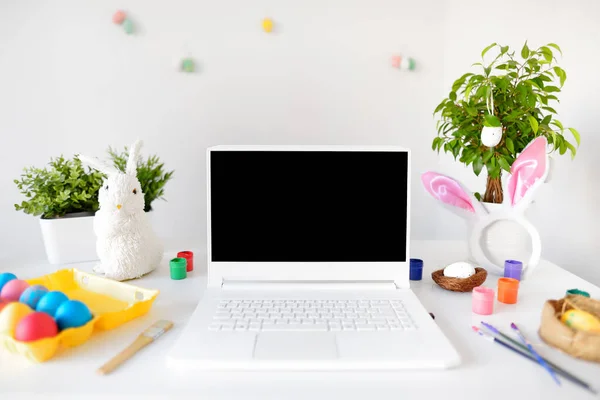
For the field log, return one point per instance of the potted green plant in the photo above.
(65, 197)
(489, 117)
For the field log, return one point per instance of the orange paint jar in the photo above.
(508, 289)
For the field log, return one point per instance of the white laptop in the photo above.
(308, 265)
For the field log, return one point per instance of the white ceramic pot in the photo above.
(69, 239)
(503, 239)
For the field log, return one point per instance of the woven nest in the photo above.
(580, 344)
(460, 284)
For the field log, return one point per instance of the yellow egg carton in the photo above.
(111, 303)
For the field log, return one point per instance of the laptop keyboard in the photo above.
(311, 315)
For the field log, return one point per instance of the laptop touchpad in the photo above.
(295, 346)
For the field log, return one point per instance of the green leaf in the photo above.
(439, 107)
(547, 53)
(452, 96)
(477, 196)
(487, 71)
(503, 50)
(546, 120)
(550, 109)
(492, 120)
(487, 155)
(551, 89)
(472, 111)
(571, 148)
(477, 165)
(510, 145)
(576, 135)
(558, 124)
(556, 47)
(504, 164)
(525, 51)
(533, 122)
(562, 75)
(434, 144)
(487, 48)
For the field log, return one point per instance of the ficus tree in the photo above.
(511, 92)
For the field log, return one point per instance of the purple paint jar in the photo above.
(513, 269)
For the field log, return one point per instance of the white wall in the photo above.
(71, 81)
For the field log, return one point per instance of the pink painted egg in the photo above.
(13, 290)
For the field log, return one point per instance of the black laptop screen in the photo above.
(308, 206)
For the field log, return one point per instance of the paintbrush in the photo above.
(535, 353)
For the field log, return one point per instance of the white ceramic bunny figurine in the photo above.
(527, 173)
(125, 242)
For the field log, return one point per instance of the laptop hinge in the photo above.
(307, 285)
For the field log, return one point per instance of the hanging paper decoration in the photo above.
(187, 65)
(267, 25)
(405, 63)
(128, 26)
(119, 17)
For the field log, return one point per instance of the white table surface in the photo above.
(488, 371)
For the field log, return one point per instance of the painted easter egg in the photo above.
(35, 326)
(10, 317)
(581, 320)
(13, 290)
(491, 135)
(6, 277)
(32, 295)
(72, 314)
(460, 270)
(3, 304)
(50, 302)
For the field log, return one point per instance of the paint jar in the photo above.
(416, 269)
(483, 300)
(178, 268)
(513, 269)
(189, 257)
(508, 289)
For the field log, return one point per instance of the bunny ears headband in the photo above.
(102, 166)
(527, 173)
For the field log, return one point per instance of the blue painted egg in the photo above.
(72, 314)
(50, 302)
(5, 278)
(32, 295)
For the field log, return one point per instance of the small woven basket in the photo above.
(459, 284)
(580, 344)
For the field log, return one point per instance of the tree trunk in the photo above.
(493, 190)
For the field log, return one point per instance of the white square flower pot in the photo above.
(69, 239)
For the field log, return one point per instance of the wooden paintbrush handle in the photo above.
(141, 342)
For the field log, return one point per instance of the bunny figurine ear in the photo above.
(451, 192)
(98, 164)
(527, 173)
(134, 155)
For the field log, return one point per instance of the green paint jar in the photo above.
(178, 268)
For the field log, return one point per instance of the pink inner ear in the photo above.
(447, 190)
(528, 168)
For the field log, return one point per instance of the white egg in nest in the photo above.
(460, 269)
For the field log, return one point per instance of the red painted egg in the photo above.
(36, 326)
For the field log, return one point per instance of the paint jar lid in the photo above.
(178, 268)
(578, 292)
(482, 293)
(513, 265)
